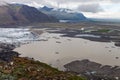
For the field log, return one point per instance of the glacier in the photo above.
(17, 35)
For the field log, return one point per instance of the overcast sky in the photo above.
(90, 8)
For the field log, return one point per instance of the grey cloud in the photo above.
(115, 1)
(57, 1)
(21, 1)
(89, 5)
(94, 8)
(82, 1)
(74, 1)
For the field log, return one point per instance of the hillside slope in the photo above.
(22, 14)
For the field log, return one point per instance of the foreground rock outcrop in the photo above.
(6, 46)
(117, 44)
(93, 70)
(6, 53)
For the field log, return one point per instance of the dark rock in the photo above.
(93, 70)
(7, 55)
(117, 57)
(7, 46)
(117, 44)
(82, 66)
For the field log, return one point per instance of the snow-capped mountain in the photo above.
(64, 10)
(63, 13)
(57, 9)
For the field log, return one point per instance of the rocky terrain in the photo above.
(6, 53)
(92, 34)
(93, 70)
(117, 44)
(7, 46)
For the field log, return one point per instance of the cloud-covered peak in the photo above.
(94, 8)
(89, 6)
(2, 3)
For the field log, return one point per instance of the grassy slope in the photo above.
(25, 69)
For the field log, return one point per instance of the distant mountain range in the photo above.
(12, 14)
(63, 14)
(19, 14)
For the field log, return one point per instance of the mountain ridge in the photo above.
(63, 13)
(12, 14)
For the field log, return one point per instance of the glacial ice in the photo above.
(17, 35)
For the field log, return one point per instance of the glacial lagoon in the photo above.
(57, 50)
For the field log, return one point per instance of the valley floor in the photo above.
(60, 43)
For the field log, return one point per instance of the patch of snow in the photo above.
(64, 10)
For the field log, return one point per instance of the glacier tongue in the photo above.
(17, 35)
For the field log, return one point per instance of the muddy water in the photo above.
(57, 51)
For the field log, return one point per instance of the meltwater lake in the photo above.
(56, 50)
